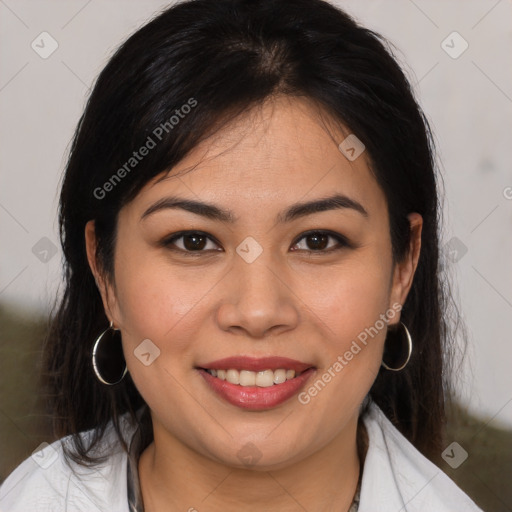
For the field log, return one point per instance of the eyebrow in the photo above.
(213, 212)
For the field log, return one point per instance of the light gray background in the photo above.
(468, 101)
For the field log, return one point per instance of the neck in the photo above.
(174, 477)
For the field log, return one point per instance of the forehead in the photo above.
(278, 153)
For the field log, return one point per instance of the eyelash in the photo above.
(340, 239)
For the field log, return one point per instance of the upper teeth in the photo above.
(262, 379)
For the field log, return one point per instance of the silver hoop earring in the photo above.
(106, 362)
(409, 348)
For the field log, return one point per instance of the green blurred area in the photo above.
(24, 423)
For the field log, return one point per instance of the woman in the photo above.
(253, 317)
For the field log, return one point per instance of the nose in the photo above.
(259, 299)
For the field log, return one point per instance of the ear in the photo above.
(403, 272)
(105, 288)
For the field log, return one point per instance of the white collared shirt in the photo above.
(396, 478)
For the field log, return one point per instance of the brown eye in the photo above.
(190, 242)
(194, 242)
(318, 241)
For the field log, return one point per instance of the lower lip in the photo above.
(254, 397)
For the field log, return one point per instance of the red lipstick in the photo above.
(254, 397)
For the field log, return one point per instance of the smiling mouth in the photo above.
(247, 378)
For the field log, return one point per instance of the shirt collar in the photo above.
(398, 477)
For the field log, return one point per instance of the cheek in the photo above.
(350, 345)
(350, 312)
(351, 350)
(353, 297)
(157, 304)
(170, 306)
(157, 301)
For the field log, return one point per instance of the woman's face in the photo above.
(257, 285)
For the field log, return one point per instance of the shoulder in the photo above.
(46, 481)
(396, 476)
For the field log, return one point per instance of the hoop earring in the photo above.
(409, 348)
(105, 362)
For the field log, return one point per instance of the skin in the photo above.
(291, 301)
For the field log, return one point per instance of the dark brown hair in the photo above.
(230, 55)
